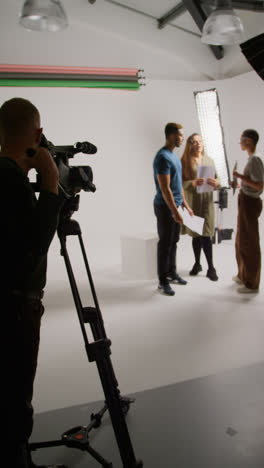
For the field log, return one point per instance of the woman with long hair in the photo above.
(202, 204)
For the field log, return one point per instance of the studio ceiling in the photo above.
(112, 33)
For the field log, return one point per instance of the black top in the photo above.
(27, 228)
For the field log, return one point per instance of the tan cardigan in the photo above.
(202, 204)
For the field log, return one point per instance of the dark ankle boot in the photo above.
(211, 274)
(195, 269)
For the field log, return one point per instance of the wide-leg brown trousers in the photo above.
(248, 252)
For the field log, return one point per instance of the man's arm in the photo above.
(45, 217)
(31, 224)
(164, 183)
(45, 165)
(44, 221)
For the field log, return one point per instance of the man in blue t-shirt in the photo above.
(169, 196)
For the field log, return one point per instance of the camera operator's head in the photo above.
(19, 128)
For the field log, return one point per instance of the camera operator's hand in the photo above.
(45, 165)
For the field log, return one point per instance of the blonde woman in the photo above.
(202, 204)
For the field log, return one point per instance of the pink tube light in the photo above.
(67, 69)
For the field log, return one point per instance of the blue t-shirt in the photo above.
(167, 162)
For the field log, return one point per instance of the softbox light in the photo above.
(254, 53)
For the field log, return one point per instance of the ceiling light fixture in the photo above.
(43, 15)
(223, 26)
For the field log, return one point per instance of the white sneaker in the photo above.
(237, 280)
(245, 290)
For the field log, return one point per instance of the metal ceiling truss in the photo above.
(180, 8)
(171, 15)
(148, 15)
(199, 11)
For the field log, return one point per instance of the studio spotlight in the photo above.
(223, 27)
(43, 15)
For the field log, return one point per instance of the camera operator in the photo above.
(28, 227)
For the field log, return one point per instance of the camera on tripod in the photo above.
(72, 179)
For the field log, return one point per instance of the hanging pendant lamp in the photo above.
(223, 26)
(43, 15)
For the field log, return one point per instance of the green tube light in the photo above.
(69, 84)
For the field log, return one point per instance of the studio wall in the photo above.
(127, 128)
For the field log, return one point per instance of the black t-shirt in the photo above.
(27, 228)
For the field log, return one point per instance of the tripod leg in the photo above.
(97, 327)
(90, 279)
(98, 458)
(99, 351)
(64, 442)
(114, 405)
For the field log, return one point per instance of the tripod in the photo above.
(99, 352)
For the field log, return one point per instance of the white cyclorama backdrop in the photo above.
(128, 129)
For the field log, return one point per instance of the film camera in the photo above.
(72, 179)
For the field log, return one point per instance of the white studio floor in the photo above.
(204, 329)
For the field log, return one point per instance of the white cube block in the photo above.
(139, 256)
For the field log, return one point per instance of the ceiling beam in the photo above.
(248, 5)
(148, 15)
(199, 16)
(171, 15)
